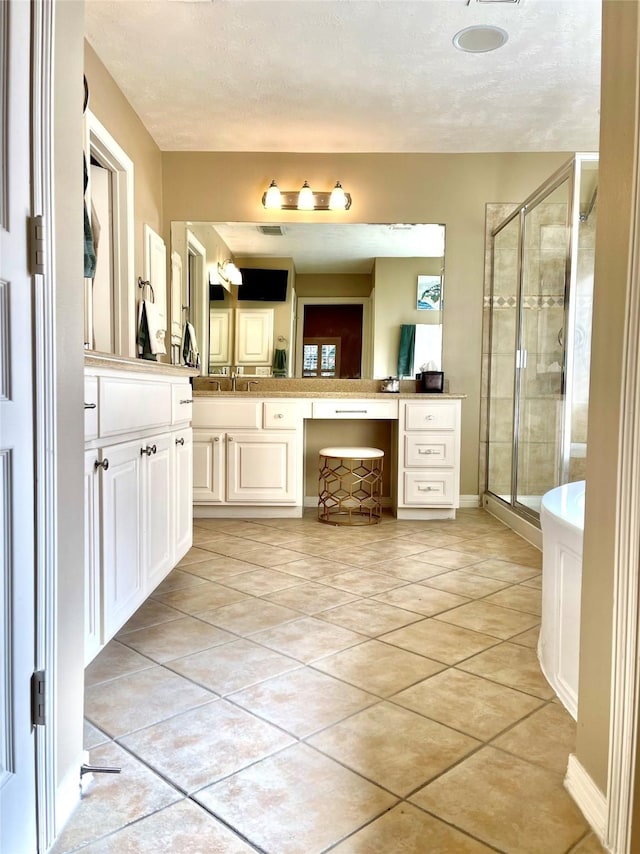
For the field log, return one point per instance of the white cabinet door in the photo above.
(157, 499)
(123, 585)
(262, 467)
(220, 336)
(182, 491)
(92, 580)
(254, 336)
(208, 466)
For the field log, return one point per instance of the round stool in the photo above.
(349, 486)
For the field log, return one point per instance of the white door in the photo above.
(182, 490)
(157, 509)
(254, 336)
(122, 582)
(155, 271)
(17, 561)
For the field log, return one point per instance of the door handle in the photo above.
(90, 405)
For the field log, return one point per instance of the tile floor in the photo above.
(293, 688)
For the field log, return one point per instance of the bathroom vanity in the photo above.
(251, 450)
(137, 482)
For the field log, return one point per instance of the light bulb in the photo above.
(305, 198)
(273, 197)
(338, 198)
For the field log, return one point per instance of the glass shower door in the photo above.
(540, 353)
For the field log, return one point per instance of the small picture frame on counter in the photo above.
(433, 381)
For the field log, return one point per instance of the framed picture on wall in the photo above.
(430, 293)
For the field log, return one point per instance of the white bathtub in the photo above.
(562, 521)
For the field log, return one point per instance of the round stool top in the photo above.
(352, 453)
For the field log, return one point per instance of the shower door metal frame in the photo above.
(566, 172)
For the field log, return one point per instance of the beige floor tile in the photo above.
(362, 582)
(506, 802)
(504, 570)
(220, 568)
(150, 613)
(178, 579)
(310, 597)
(92, 736)
(113, 661)
(519, 598)
(307, 639)
(465, 583)
(589, 845)
(249, 616)
(504, 545)
(313, 567)
(175, 639)
(233, 666)
(406, 829)
(435, 539)
(267, 556)
(438, 640)
(141, 699)
(194, 555)
(378, 667)
(409, 569)
(391, 549)
(358, 556)
(535, 582)
(467, 703)
(528, 638)
(394, 747)
(300, 801)
(202, 598)
(114, 800)
(449, 558)
(262, 581)
(424, 600)
(370, 617)
(183, 827)
(303, 701)
(206, 744)
(512, 665)
(546, 738)
(491, 619)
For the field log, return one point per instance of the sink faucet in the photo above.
(233, 381)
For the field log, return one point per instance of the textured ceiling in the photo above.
(353, 75)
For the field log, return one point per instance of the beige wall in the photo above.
(69, 588)
(619, 135)
(333, 285)
(450, 189)
(113, 110)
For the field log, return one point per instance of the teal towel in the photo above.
(280, 363)
(407, 348)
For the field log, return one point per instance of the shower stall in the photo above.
(538, 324)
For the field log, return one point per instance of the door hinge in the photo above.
(36, 245)
(37, 698)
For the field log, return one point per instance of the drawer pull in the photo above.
(91, 406)
(278, 415)
(429, 417)
(428, 451)
(186, 400)
(428, 489)
(104, 465)
(351, 411)
(149, 450)
(180, 441)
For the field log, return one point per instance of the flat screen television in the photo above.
(263, 285)
(216, 292)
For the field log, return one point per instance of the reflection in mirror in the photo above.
(348, 289)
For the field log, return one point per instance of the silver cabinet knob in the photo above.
(149, 450)
(279, 415)
(104, 465)
(187, 400)
(216, 438)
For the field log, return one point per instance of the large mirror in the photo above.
(317, 300)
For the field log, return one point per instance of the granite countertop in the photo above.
(94, 359)
(311, 388)
(256, 392)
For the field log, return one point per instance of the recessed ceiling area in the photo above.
(354, 75)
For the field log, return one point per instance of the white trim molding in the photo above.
(468, 502)
(587, 796)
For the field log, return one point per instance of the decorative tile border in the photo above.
(540, 301)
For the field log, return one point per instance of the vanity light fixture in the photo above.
(306, 199)
(229, 272)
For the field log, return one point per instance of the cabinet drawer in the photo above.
(429, 449)
(90, 407)
(181, 403)
(431, 416)
(428, 489)
(280, 415)
(355, 409)
(226, 413)
(127, 405)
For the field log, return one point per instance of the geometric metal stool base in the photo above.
(349, 486)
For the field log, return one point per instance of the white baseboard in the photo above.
(469, 501)
(588, 797)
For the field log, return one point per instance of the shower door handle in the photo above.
(521, 358)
